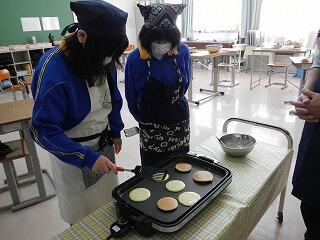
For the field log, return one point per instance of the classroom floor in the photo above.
(42, 221)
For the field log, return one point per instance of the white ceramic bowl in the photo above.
(237, 145)
(214, 48)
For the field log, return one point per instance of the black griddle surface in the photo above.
(158, 190)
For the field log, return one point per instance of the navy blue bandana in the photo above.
(100, 18)
(161, 16)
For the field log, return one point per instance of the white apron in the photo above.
(76, 201)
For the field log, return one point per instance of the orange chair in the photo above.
(4, 76)
(22, 86)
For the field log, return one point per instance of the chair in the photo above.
(5, 77)
(242, 58)
(229, 62)
(22, 85)
(273, 71)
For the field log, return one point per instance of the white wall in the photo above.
(128, 6)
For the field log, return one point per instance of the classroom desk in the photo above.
(257, 180)
(261, 50)
(203, 44)
(305, 66)
(15, 116)
(203, 55)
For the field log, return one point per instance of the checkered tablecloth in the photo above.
(256, 181)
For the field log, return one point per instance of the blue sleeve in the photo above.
(115, 120)
(130, 88)
(49, 112)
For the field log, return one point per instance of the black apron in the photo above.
(306, 177)
(164, 119)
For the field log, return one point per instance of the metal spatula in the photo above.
(157, 174)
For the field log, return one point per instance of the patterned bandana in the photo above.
(161, 16)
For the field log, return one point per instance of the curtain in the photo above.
(187, 19)
(250, 17)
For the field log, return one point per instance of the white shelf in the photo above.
(23, 62)
(22, 56)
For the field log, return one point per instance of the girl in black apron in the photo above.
(164, 119)
(161, 108)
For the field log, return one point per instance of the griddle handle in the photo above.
(142, 225)
(259, 124)
(211, 160)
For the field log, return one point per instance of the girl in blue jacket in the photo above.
(76, 115)
(156, 78)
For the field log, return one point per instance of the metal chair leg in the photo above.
(285, 79)
(269, 73)
(281, 205)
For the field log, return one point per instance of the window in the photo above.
(213, 15)
(290, 19)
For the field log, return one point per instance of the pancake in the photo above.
(175, 186)
(183, 167)
(167, 204)
(203, 176)
(188, 198)
(139, 194)
(165, 179)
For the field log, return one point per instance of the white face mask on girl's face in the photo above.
(160, 48)
(106, 61)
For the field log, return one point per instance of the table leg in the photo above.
(233, 73)
(303, 80)
(28, 160)
(251, 71)
(214, 74)
(35, 160)
(281, 205)
(12, 184)
(190, 84)
(260, 72)
(214, 80)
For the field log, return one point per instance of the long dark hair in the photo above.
(147, 36)
(87, 61)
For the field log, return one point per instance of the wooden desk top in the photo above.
(204, 54)
(297, 61)
(282, 50)
(14, 112)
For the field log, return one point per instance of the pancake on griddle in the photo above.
(139, 194)
(188, 198)
(167, 204)
(183, 167)
(203, 176)
(175, 186)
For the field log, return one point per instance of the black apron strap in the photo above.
(105, 138)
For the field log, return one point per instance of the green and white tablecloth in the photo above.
(257, 180)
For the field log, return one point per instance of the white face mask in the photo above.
(106, 61)
(160, 48)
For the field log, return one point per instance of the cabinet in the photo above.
(21, 62)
